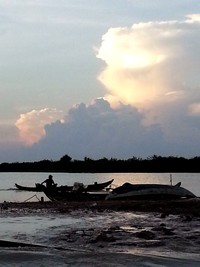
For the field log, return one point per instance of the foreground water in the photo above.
(97, 238)
(86, 238)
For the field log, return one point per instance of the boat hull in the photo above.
(149, 191)
(37, 188)
(56, 194)
(89, 188)
(27, 188)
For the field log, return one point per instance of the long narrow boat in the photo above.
(91, 187)
(28, 188)
(60, 194)
(149, 191)
(37, 188)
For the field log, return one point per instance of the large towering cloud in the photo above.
(153, 66)
(152, 101)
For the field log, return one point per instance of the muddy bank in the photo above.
(32, 259)
(110, 233)
(190, 207)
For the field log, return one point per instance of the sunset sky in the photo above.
(99, 79)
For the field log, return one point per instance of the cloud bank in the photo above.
(152, 101)
(97, 130)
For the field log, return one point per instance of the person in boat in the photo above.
(49, 182)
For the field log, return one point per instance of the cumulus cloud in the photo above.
(151, 106)
(154, 67)
(97, 130)
(31, 124)
(152, 64)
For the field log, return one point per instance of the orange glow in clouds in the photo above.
(31, 125)
(132, 60)
(145, 63)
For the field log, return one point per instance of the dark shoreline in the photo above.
(188, 207)
(153, 164)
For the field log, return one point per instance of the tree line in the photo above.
(67, 164)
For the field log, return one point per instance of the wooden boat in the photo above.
(98, 186)
(91, 187)
(60, 194)
(26, 188)
(149, 191)
(36, 188)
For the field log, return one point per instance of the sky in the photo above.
(90, 78)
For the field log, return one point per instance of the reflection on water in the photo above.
(31, 227)
(191, 181)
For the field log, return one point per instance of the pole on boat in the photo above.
(171, 179)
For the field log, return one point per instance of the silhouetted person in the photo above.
(49, 182)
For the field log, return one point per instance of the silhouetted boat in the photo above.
(36, 188)
(91, 187)
(149, 191)
(98, 186)
(79, 194)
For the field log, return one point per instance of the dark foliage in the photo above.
(66, 164)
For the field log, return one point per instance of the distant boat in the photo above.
(149, 191)
(91, 187)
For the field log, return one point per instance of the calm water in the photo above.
(191, 181)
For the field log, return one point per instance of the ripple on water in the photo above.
(107, 232)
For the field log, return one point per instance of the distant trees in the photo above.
(65, 159)
(66, 164)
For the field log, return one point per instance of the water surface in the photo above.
(191, 181)
(97, 238)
